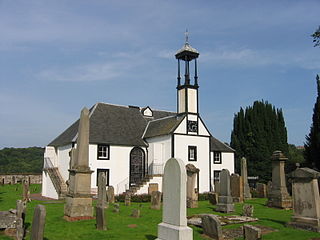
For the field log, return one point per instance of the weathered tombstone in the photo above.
(110, 194)
(261, 190)
(192, 192)
(306, 200)
(127, 198)
(211, 226)
(155, 200)
(19, 229)
(25, 191)
(247, 210)
(100, 218)
(236, 182)
(38, 222)
(135, 213)
(244, 174)
(13, 180)
(279, 196)
(79, 200)
(116, 208)
(174, 215)
(225, 202)
(213, 198)
(21, 209)
(269, 188)
(153, 187)
(217, 187)
(251, 232)
(102, 193)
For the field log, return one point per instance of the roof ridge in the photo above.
(159, 119)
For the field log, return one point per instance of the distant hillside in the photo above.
(21, 160)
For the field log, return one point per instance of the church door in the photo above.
(136, 166)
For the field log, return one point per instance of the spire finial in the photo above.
(187, 36)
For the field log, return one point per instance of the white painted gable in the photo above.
(202, 130)
(182, 128)
(147, 112)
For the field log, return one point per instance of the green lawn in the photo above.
(146, 226)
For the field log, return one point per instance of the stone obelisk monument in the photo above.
(244, 174)
(79, 201)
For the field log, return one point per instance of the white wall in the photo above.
(181, 143)
(227, 162)
(48, 189)
(64, 160)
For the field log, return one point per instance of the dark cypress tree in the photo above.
(312, 145)
(257, 132)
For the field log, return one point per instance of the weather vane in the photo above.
(187, 36)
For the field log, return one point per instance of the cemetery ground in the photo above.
(123, 226)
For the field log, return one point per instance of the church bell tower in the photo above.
(187, 92)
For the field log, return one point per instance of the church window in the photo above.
(192, 153)
(217, 158)
(103, 152)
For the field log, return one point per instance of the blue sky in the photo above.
(58, 56)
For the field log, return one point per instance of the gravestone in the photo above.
(174, 215)
(261, 190)
(213, 198)
(279, 196)
(21, 209)
(225, 202)
(269, 188)
(244, 175)
(25, 191)
(100, 218)
(110, 194)
(79, 199)
(247, 210)
(155, 200)
(135, 213)
(127, 198)
(38, 222)
(211, 226)
(251, 232)
(153, 187)
(19, 229)
(102, 193)
(116, 208)
(236, 188)
(192, 192)
(306, 200)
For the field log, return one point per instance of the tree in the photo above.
(312, 145)
(316, 37)
(257, 132)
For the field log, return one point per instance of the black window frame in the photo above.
(107, 171)
(220, 157)
(216, 175)
(98, 151)
(194, 148)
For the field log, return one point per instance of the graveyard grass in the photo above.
(146, 226)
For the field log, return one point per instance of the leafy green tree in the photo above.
(312, 145)
(316, 37)
(257, 132)
(21, 160)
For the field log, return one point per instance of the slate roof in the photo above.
(162, 126)
(216, 145)
(112, 124)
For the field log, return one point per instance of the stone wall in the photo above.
(13, 178)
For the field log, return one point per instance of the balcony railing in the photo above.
(155, 169)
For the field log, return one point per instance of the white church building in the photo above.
(131, 144)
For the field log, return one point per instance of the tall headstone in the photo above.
(79, 200)
(127, 198)
(100, 218)
(244, 174)
(38, 222)
(155, 200)
(110, 194)
(102, 193)
(306, 200)
(225, 202)
(19, 229)
(279, 196)
(25, 190)
(21, 209)
(269, 188)
(192, 192)
(174, 215)
(236, 188)
(211, 226)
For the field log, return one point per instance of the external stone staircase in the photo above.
(58, 181)
(146, 179)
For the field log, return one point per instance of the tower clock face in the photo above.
(192, 126)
